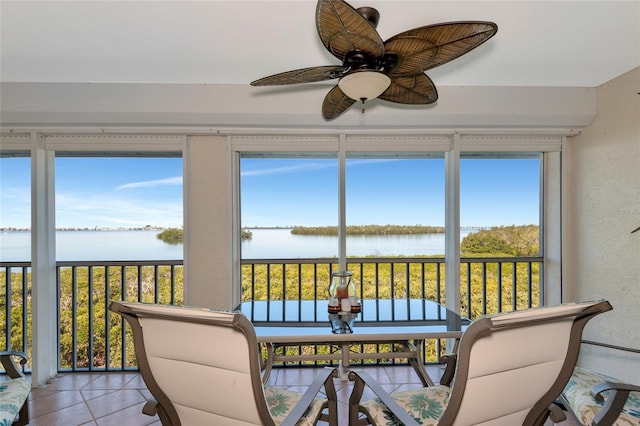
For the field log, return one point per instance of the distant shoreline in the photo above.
(105, 229)
(162, 228)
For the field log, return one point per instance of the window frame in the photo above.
(453, 146)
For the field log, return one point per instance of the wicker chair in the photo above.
(203, 367)
(509, 370)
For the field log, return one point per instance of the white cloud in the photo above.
(72, 211)
(288, 169)
(151, 183)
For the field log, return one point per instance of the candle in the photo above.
(345, 305)
(342, 292)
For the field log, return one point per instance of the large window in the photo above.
(390, 210)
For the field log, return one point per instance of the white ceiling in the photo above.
(539, 43)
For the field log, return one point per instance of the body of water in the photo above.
(265, 243)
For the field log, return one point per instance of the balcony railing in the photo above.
(487, 285)
(92, 339)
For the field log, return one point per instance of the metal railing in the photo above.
(487, 285)
(91, 339)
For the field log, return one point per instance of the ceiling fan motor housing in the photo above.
(370, 14)
(361, 61)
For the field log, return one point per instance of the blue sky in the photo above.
(282, 192)
(134, 192)
(99, 192)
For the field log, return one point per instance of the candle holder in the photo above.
(342, 294)
(342, 323)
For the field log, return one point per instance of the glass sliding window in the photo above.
(288, 210)
(122, 216)
(15, 249)
(500, 219)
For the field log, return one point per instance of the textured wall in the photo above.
(207, 220)
(604, 207)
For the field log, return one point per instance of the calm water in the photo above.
(266, 243)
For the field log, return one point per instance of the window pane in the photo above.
(15, 209)
(502, 194)
(403, 192)
(114, 208)
(282, 192)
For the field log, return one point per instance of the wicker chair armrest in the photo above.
(361, 378)
(9, 364)
(324, 379)
(614, 403)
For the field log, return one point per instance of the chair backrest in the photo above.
(512, 366)
(201, 366)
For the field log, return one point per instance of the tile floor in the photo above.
(117, 398)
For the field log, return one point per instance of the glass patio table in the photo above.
(403, 322)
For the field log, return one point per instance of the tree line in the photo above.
(176, 235)
(368, 230)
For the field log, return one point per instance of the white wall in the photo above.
(603, 257)
(208, 223)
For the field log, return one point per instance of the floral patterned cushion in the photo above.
(13, 394)
(426, 405)
(585, 407)
(282, 401)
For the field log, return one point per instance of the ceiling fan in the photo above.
(391, 70)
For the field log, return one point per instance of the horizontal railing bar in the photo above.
(390, 259)
(18, 264)
(69, 263)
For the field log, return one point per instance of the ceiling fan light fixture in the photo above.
(364, 85)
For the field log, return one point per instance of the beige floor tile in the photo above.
(131, 416)
(51, 402)
(70, 381)
(93, 394)
(114, 402)
(111, 381)
(69, 416)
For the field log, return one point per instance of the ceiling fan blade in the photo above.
(411, 89)
(427, 47)
(343, 29)
(303, 75)
(335, 103)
